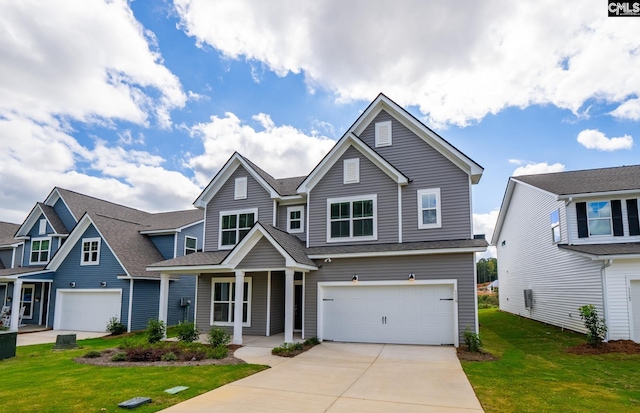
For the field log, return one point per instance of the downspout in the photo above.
(605, 309)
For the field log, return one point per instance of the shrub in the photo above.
(170, 356)
(115, 327)
(218, 337)
(313, 341)
(155, 331)
(595, 325)
(472, 341)
(187, 332)
(120, 356)
(145, 353)
(92, 354)
(488, 301)
(287, 349)
(219, 352)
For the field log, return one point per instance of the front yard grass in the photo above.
(534, 373)
(40, 379)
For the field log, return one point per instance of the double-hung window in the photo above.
(295, 219)
(234, 225)
(599, 218)
(90, 251)
(429, 215)
(353, 218)
(223, 293)
(190, 245)
(40, 248)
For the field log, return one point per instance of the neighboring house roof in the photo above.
(12, 272)
(172, 221)
(7, 231)
(407, 248)
(53, 218)
(605, 251)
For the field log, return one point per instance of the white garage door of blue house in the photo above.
(404, 313)
(86, 310)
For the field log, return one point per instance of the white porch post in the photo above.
(15, 304)
(164, 299)
(237, 309)
(288, 306)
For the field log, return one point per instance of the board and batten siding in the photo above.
(262, 255)
(372, 181)
(281, 220)
(425, 267)
(257, 197)
(617, 277)
(599, 239)
(427, 169)
(561, 281)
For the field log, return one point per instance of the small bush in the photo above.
(596, 326)
(120, 356)
(313, 341)
(115, 327)
(145, 353)
(187, 332)
(472, 341)
(218, 337)
(287, 348)
(488, 301)
(170, 356)
(219, 352)
(92, 354)
(155, 331)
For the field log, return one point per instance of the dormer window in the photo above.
(295, 219)
(241, 188)
(351, 171)
(42, 230)
(40, 248)
(383, 134)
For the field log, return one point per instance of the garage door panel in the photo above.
(87, 310)
(635, 308)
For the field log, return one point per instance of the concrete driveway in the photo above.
(49, 336)
(345, 377)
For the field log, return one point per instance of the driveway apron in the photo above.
(347, 377)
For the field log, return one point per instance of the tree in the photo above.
(487, 270)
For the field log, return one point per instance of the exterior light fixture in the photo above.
(103, 284)
(355, 278)
(72, 284)
(412, 277)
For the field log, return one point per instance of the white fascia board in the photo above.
(446, 149)
(223, 176)
(53, 198)
(159, 232)
(398, 253)
(506, 200)
(635, 192)
(337, 151)
(30, 221)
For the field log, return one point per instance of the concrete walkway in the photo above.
(49, 336)
(345, 377)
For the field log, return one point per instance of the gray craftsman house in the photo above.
(376, 244)
(570, 239)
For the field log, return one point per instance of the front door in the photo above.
(297, 320)
(26, 300)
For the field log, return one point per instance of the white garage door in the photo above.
(86, 310)
(400, 314)
(635, 308)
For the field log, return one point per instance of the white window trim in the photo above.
(554, 226)
(234, 212)
(48, 252)
(240, 190)
(381, 125)
(185, 244)
(42, 229)
(345, 175)
(89, 240)
(610, 234)
(232, 300)
(420, 193)
(33, 298)
(289, 211)
(374, 237)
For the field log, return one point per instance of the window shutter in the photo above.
(383, 133)
(241, 188)
(43, 227)
(632, 213)
(616, 213)
(351, 171)
(583, 226)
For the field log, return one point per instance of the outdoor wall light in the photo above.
(72, 284)
(412, 277)
(103, 284)
(9, 299)
(355, 278)
(327, 260)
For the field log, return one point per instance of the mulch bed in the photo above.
(465, 355)
(616, 346)
(105, 360)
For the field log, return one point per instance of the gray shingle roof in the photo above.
(173, 219)
(53, 219)
(19, 271)
(284, 186)
(289, 243)
(80, 203)
(7, 231)
(407, 246)
(194, 260)
(627, 248)
(587, 181)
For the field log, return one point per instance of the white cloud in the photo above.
(474, 59)
(282, 151)
(485, 224)
(628, 110)
(516, 161)
(594, 139)
(538, 168)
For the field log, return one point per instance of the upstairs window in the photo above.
(351, 171)
(295, 219)
(352, 219)
(234, 226)
(40, 248)
(555, 226)
(190, 245)
(240, 188)
(42, 229)
(599, 218)
(429, 215)
(383, 134)
(90, 251)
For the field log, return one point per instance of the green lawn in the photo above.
(39, 379)
(535, 374)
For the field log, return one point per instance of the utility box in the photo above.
(528, 299)
(8, 341)
(185, 301)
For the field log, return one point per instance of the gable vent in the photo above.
(383, 133)
(352, 171)
(241, 188)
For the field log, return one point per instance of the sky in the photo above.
(142, 102)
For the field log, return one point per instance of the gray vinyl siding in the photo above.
(281, 220)
(277, 302)
(184, 287)
(372, 181)
(426, 267)
(258, 303)
(257, 197)
(262, 255)
(619, 306)
(561, 281)
(426, 168)
(194, 231)
(146, 295)
(90, 276)
(164, 244)
(65, 215)
(5, 257)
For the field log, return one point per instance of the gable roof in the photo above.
(382, 102)
(50, 215)
(79, 203)
(7, 231)
(172, 221)
(53, 218)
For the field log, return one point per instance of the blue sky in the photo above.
(141, 102)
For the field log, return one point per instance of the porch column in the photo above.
(164, 299)
(15, 304)
(237, 309)
(288, 306)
